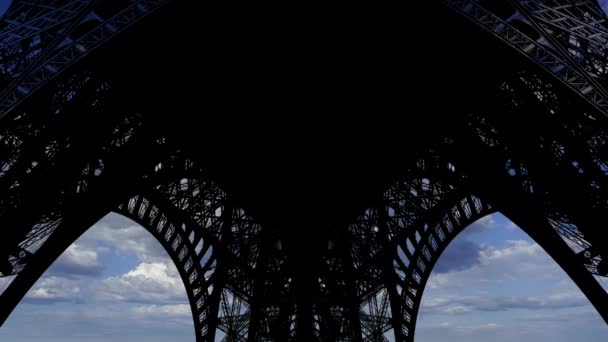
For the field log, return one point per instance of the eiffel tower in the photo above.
(303, 163)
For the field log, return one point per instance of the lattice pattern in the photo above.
(521, 37)
(61, 36)
(543, 157)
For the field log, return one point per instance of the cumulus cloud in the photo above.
(78, 260)
(176, 311)
(125, 236)
(484, 223)
(519, 261)
(154, 280)
(157, 282)
(519, 257)
(53, 289)
(510, 226)
(457, 310)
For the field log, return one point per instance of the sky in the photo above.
(117, 284)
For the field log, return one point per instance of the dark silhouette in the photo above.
(304, 163)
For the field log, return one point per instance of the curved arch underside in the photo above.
(278, 240)
(222, 256)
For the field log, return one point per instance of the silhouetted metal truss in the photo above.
(546, 171)
(43, 38)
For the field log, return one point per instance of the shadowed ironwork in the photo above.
(304, 181)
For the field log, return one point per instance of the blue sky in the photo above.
(117, 284)
(494, 283)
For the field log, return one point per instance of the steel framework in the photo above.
(329, 234)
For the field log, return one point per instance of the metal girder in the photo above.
(197, 269)
(418, 217)
(203, 242)
(41, 154)
(196, 243)
(31, 30)
(578, 29)
(539, 51)
(80, 206)
(566, 143)
(423, 217)
(531, 198)
(65, 50)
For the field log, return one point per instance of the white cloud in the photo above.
(484, 223)
(126, 237)
(488, 222)
(563, 295)
(477, 327)
(77, 260)
(510, 226)
(458, 310)
(178, 311)
(516, 247)
(518, 258)
(157, 282)
(154, 280)
(54, 289)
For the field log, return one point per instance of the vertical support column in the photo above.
(282, 327)
(256, 314)
(219, 281)
(353, 304)
(304, 286)
(390, 278)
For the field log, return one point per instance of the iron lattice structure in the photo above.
(303, 179)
